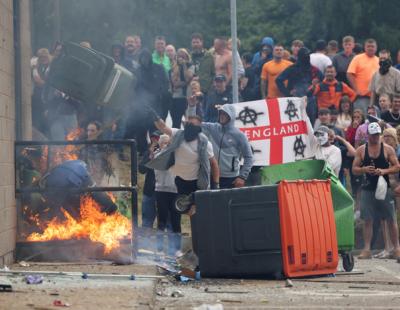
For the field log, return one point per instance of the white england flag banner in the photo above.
(276, 129)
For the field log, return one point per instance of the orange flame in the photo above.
(112, 197)
(93, 224)
(68, 152)
(74, 134)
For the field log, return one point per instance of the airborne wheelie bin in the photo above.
(343, 202)
(90, 76)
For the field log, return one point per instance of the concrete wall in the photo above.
(7, 120)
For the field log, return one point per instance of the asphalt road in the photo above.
(373, 284)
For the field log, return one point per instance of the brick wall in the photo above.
(7, 121)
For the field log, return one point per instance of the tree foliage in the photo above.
(104, 22)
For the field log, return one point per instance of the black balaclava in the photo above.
(191, 132)
(303, 57)
(384, 66)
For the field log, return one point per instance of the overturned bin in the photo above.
(236, 232)
(343, 203)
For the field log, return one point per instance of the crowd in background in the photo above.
(347, 86)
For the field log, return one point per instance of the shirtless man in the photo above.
(223, 59)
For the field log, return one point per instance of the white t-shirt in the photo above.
(187, 159)
(320, 61)
(332, 155)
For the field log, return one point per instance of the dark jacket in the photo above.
(150, 180)
(204, 68)
(251, 91)
(213, 99)
(298, 76)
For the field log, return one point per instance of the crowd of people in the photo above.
(353, 115)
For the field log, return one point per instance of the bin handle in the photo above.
(112, 87)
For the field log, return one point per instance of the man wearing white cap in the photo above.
(375, 159)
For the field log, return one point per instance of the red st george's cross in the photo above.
(276, 131)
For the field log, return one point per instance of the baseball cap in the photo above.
(220, 77)
(374, 128)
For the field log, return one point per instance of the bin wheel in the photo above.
(348, 261)
(183, 203)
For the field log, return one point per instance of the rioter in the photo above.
(117, 53)
(321, 143)
(189, 156)
(149, 198)
(62, 184)
(181, 75)
(166, 194)
(132, 50)
(376, 159)
(97, 156)
(230, 145)
(151, 87)
(203, 62)
(220, 95)
(296, 79)
(39, 72)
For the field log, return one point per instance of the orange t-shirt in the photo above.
(363, 67)
(270, 72)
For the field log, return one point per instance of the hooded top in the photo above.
(298, 76)
(265, 41)
(229, 145)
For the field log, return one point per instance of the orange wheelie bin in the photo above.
(308, 228)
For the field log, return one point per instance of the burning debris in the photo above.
(65, 214)
(93, 224)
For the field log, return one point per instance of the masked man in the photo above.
(386, 80)
(321, 143)
(189, 156)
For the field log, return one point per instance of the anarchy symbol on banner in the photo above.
(299, 146)
(291, 110)
(247, 116)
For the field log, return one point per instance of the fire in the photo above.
(112, 197)
(93, 225)
(74, 134)
(68, 152)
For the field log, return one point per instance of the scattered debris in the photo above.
(183, 278)
(59, 303)
(167, 269)
(289, 283)
(207, 290)
(5, 285)
(177, 294)
(24, 264)
(34, 279)
(81, 274)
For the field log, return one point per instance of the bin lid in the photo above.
(80, 72)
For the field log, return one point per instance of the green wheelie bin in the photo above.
(343, 202)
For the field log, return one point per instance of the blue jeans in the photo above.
(148, 210)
